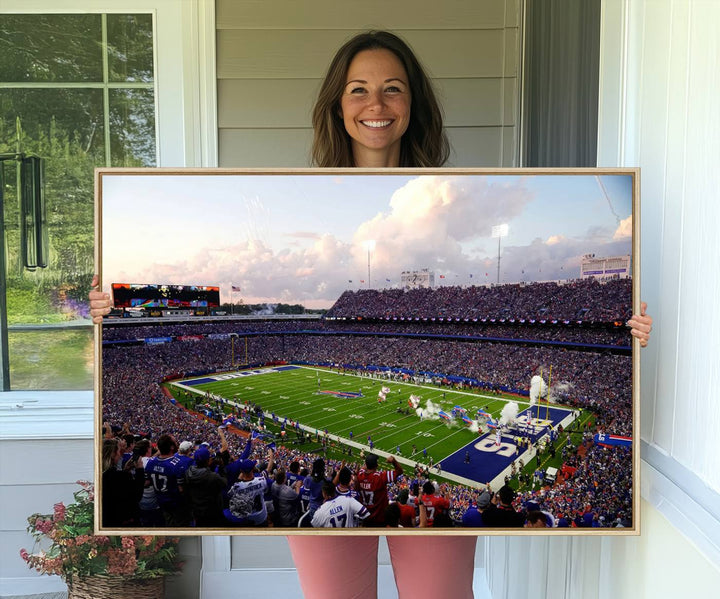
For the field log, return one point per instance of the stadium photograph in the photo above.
(298, 351)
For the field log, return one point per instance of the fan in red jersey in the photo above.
(372, 484)
(437, 506)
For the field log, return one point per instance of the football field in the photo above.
(347, 407)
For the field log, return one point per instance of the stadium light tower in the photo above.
(499, 231)
(370, 247)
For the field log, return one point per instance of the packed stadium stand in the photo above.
(488, 337)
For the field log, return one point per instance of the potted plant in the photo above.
(95, 566)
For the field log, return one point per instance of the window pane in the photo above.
(51, 119)
(130, 48)
(132, 127)
(65, 127)
(54, 359)
(37, 48)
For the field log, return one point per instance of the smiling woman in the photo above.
(375, 78)
(375, 107)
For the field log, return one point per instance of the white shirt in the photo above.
(340, 512)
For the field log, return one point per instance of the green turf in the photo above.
(294, 394)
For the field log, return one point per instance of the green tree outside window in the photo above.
(77, 90)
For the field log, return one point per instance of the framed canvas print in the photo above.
(367, 352)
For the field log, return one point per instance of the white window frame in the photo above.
(185, 96)
(186, 130)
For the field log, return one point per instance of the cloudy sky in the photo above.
(302, 238)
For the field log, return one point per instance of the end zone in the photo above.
(484, 461)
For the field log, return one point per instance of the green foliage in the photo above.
(70, 222)
(50, 47)
(53, 358)
(289, 309)
(27, 303)
(66, 127)
(239, 308)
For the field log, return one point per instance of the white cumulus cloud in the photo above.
(624, 229)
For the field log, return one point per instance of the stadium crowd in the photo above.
(579, 299)
(596, 380)
(571, 333)
(595, 490)
(582, 311)
(200, 481)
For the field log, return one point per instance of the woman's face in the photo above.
(375, 107)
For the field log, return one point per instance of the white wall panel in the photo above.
(543, 567)
(653, 146)
(253, 54)
(698, 419)
(19, 501)
(36, 473)
(288, 103)
(475, 146)
(349, 14)
(673, 82)
(70, 460)
(265, 147)
(666, 121)
(11, 564)
(252, 552)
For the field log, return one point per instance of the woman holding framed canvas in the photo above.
(377, 109)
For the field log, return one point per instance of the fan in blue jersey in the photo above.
(313, 486)
(166, 473)
(293, 475)
(183, 454)
(338, 511)
(232, 470)
(304, 498)
(343, 480)
(129, 442)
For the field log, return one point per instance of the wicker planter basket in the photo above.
(116, 587)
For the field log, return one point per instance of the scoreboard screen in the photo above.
(129, 295)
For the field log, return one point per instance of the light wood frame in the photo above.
(103, 175)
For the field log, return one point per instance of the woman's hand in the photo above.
(641, 325)
(99, 302)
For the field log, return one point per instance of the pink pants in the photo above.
(346, 566)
